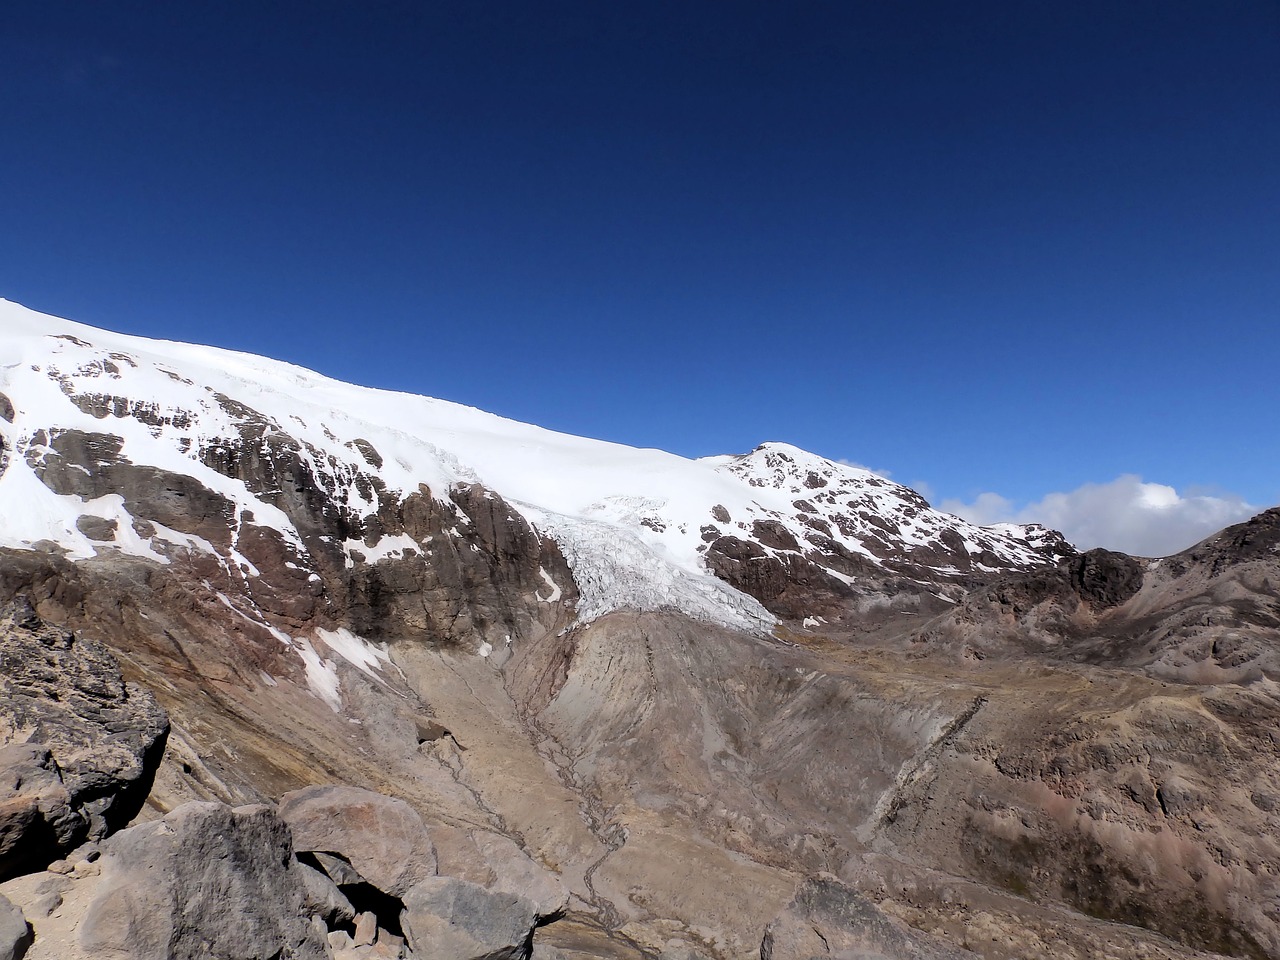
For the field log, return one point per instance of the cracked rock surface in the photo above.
(80, 745)
(205, 881)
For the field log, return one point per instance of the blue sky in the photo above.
(1000, 250)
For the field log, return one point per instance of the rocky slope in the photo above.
(81, 746)
(664, 701)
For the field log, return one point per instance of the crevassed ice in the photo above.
(615, 570)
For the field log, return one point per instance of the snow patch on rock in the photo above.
(360, 653)
(616, 570)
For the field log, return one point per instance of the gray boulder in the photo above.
(79, 747)
(334, 867)
(15, 932)
(449, 919)
(205, 882)
(322, 898)
(38, 820)
(497, 863)
(827, 918)
(382, 838)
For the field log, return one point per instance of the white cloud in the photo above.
(1127, 514)
(923, 488)
(862, 466)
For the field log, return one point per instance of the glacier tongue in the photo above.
(616, 570)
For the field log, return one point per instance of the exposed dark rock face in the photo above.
(480, 579)
(771, 533)
(788, 585)
(92, 465)
(37, 819)
(81, 745)
(205, 882)
(1094, 581)
(454, 592)
(1104, 578)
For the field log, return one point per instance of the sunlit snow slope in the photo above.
(634, 524)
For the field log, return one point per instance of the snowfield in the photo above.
(629, 521)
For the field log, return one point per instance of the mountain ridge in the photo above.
(173, 407)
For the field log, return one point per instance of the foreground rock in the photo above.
(15, 932)
(206, 881)
(322, 898)
(78, 746)
(826, 918)
(449, 919)
(382, 838)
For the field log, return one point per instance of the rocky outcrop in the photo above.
(1084, 585)
(81, 746)
(206, 881)
(478, 578)
(1206, 615)
(1105, 578)
(826, 918)
(374, 858)
(787, 584)
(214, 882)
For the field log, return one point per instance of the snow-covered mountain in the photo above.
(681, 685)
(639, 528)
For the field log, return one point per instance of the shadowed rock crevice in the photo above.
(82, 746)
